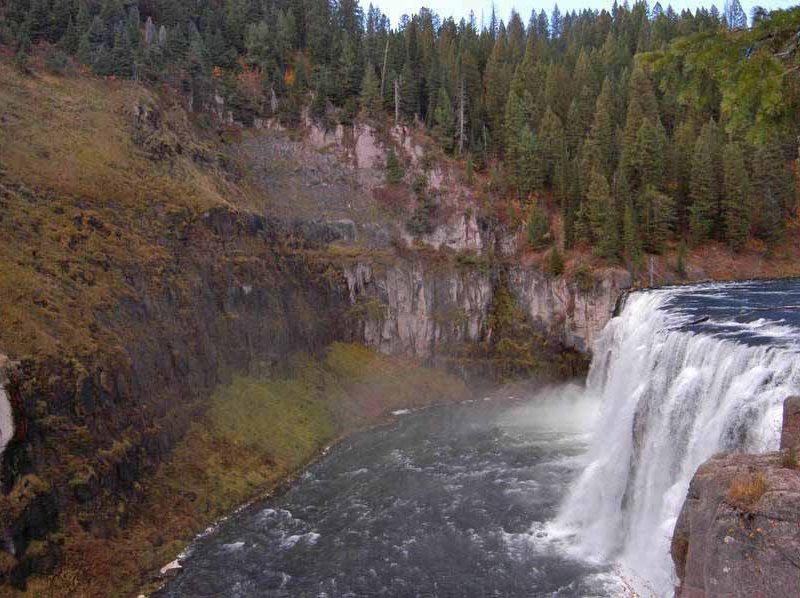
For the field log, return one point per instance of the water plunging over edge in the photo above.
(671, 398)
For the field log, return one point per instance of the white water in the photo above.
(670, 400)
(6, 420)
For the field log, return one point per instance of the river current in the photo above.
(439, 503)
(570, 491)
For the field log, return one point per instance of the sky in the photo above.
(394, 9)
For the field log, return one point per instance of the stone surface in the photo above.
(572, 314)
(790, 433)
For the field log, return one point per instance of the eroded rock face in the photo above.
(738, 534)
(415, 308)
(571, 311)
(790, 434)
(411, 310)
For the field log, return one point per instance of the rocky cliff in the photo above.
(738, 534)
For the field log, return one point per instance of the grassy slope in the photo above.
(77, 200)
(255, 433)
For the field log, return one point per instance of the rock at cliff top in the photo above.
(790, 434)
(738, 534)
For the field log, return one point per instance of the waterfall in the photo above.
(6, 422)
(672, 395)
(6, 414)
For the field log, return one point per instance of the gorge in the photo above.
(564, 491)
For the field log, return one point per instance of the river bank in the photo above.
(255, 435)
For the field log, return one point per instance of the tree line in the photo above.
(639, 125)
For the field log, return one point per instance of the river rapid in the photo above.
(440, 503)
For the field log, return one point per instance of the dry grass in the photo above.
(746, 490)
(81, 204)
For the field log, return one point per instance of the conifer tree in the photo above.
(370, 100)
(773, 190)
(445, 121)
(394, 170)
(735, 196)
(631, 240)
(539, 235)
(704, 186)
(550, 147)
(599, 147)
(658, 218)
(599, 218)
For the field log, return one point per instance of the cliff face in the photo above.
(573, 311)
(229, 299)
(738, 534)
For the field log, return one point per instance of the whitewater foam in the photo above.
(671, 397)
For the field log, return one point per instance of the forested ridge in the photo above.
(638, 127)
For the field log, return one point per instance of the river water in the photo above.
(440, 503)
(572, 491)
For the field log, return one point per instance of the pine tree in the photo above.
(550, 148)
(370, 100)
(394, 170)
(632, 242)
(659, 216)
(773, 191)
(704, 185)
(735, 196)
(445, 121)
(555, 262)
(642, 106)
(647, 160)
(579, 119)
(527, 169)
(539, 235)
(599, 147)
(599, 216)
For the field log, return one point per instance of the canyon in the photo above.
(163, 273)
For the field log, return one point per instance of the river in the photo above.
(569, 491)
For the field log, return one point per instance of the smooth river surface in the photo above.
(443, 502)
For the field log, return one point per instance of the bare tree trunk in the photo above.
(383, 71)
(462, 101)
(396, 101)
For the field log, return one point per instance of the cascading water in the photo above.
(681, 374)
(6, 420)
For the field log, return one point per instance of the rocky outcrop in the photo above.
(415, 307)
(572, 309)
(738, 534)
(412, 308)
(790, 432)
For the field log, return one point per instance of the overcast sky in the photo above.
(461, 8)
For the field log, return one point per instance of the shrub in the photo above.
(472, 261)
(538, 229)
(584, 278)
(56, 62)
(555, 262)
(419, 185)
(394, 170)
(746, 490)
